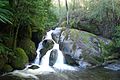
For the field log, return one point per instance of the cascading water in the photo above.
(43, 66)
(59, 64)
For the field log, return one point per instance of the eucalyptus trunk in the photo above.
(59, 3)
(67, 16)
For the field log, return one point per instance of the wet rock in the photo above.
(53, 57)
(47, 45)
(56, 34)
(34, 67)
(113, 66)
(80, 44)
(70, 60)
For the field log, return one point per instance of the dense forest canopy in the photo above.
(28, 20)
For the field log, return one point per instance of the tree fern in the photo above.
(5, 14)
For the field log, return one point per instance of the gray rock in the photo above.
(53, 57)
(113, 66)
(47, 45)
(80, 44)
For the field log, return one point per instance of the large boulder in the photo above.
(81, 45)
(29, 48)
(20, 59)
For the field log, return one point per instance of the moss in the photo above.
(74, 34)
(63, 24)
(29, 48)
(7, 68)
(20, 59)
(90, 58)
(106, 47)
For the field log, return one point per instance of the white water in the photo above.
(59, 64)
(44, 64)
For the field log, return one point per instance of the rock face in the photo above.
(81, 45)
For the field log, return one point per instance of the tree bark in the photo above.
(67, 14)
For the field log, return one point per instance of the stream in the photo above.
(93, 74)
(59, 70)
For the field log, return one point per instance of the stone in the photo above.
(53, 57)
(81, 44)
(20, 59)
(29, 47)
(47, 45)
(113, 66)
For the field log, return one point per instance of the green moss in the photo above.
(63, 24)
(20, 59)
(90, 58)
(106, 48)
(29, 48)
(7, 68)
(74, 34)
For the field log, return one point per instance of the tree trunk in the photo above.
(67, 15)
(59, 11)
(15, 38)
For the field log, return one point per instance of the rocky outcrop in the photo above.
(81, 45)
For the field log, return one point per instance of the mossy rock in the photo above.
(7, 68)
(20, 59)
(94, 49)
(70, 60)
(29, 48)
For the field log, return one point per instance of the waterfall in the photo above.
(43, 66)
(59, 64)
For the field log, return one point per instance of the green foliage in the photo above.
(116, 36)
(5, 13)
(4, 50)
